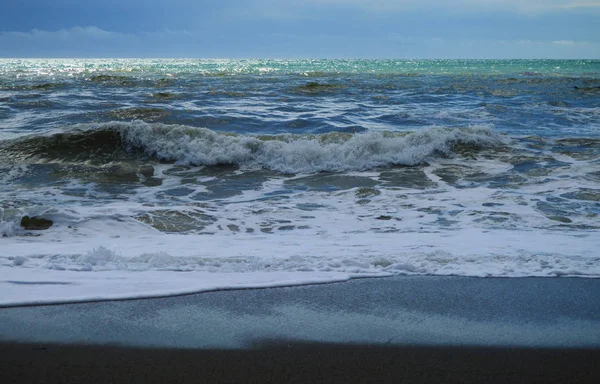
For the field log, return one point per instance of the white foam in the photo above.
(27, 286)
(106, 259)
(296, 153)
(97, 249)
(8, 228)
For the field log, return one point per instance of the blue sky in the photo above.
(301, 28)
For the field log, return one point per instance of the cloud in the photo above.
(92, 41)
(88, 41)
(572, 43)
(300, 8)
(581, 4)
(500, 49)
(90, 33)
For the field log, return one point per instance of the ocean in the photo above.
(171, 176)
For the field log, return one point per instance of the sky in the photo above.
(301, 28)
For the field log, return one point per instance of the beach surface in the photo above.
(405, 328)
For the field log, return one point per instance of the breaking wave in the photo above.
(288, 153)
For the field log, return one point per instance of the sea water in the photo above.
(173, 176)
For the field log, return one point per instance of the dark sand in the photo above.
(403, 329)
(296, 363)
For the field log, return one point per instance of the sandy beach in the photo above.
(411, 329)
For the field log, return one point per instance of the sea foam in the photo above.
(288, 153)
(300, 153)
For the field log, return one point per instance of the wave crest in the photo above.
(288, 153)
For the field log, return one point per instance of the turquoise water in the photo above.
(305, 66)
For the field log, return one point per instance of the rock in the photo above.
(163, 95)
(492, 204)
(173, 221)
(35, 223)
(366, 192)
(588, 90)
(562, 219)
(286, 227)
(384, 217)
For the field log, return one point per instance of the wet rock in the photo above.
(152, 182)
(173, 221)
(366, 192)
(146, 170)
(163, 96)
(562, 219)
(35, 223)
(314, 87)
(584, 194)
(140, 113)
(492, 204)
(407, 177)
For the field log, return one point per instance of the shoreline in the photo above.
(403, 328)
(167, 296)
(283, 285)
(398, 310)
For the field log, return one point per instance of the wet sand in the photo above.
(411, 329)
(285, 362)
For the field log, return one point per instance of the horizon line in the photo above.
(279, 58)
